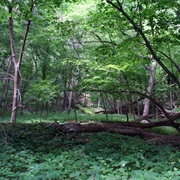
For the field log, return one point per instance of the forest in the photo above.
(90, 89)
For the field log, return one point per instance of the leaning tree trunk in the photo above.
(149, 89)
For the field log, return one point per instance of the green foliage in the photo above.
(165, 130)
(43, 91)
(37, 151)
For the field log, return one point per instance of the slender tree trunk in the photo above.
(104, 104)
(14, 105)
(149, 89)
(15, 94)
(75, 112)
(70, 102)
(17, 61)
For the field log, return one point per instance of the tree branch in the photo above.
(26, 34)
(13, 52)
(147, 43)
(177, 67)
(103, 41)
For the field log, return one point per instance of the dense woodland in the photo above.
(109, 54)
(91, 57)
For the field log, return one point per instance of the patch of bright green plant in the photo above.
(86, 110)
(165, 130)
(38, 151)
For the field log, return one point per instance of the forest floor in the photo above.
(41, 150)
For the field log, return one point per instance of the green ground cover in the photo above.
(37, 151)
(64, 117)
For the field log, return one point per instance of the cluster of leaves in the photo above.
(38, 151)
(44, 91)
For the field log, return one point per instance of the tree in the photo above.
(20, 14)
(18, 60)
(149, 89)
(139, 30)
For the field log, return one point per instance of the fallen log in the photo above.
(121, 128)
(148, 125)
(172, 116)
(105, 127)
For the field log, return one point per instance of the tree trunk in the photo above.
(131, 129)
(70, 102)
(17, 62)
(14, 105)
(149, 89)
(15, 94)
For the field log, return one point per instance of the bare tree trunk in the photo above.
(14, 106)
(149, 89)
(17, 62)
(15, 95)
(70, 102)
(104, 104)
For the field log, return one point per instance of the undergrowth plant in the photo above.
(36, 151)
(65, 117)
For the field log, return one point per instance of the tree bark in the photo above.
(14, 105)
(149, 89)
(15, 94)
(70, 102)
(125, 128)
